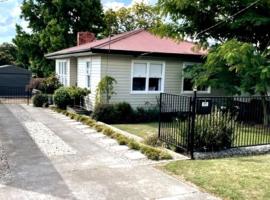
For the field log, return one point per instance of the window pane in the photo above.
(155, 70)
(139, 70)
(188, 86)
(88, 81)
(154, 84)
(139, 84)
(88, 68)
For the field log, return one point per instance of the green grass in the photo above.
(233, 178)
(246, 136)
(142, 130)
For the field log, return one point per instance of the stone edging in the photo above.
(241, 151)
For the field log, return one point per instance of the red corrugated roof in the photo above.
(136, 41)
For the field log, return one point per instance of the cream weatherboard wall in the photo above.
(120, 67)
(95, 71)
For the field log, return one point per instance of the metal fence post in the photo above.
(159, 117)
(192, 130)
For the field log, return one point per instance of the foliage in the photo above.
(104, 113)
(124, 112)
(149, 114)
(40, 100)
(153, 140)
(76, 93)
(105, 89)
(150, 152)
(215, 134)
(50, 84)
(139, 15)
(237, 68)
(190, 17)
(54, 25)
(62, 98)
(36, 83)
(7, 54)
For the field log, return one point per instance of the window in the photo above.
(88, 74)
(62, 70)
(187, 85)
(147, 76)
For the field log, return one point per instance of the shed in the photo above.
(13, 77)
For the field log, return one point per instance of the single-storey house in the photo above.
(13, 80)
(144, 65)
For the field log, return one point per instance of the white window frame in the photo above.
(147, 91)
(88, 74)
(185, 64)
(63, 77)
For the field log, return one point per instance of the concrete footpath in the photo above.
(52, 157)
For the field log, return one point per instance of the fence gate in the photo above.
(14, 95)
(175, 120)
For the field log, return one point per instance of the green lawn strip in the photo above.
(142, 130)
(150, 152)
(233, 178)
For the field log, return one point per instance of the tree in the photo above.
(244, 20)
(54, 26)
(140, 15)
(7, 54)
(236, 67)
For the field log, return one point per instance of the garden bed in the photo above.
(232, 178)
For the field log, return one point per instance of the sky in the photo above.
(10, 15)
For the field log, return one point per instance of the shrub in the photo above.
(153, 140)
(77, 93)
(50, 84)
(132, 144)
(62, 97)
(39, 100)
(149, 114)
(105, 113)
(150, 152)
(124, 112)
(216, 133)
(105, 89)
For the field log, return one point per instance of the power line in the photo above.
(230, 18)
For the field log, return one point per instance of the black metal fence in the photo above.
(15, 95)
(214, 123)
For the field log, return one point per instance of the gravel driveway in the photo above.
(45, 155)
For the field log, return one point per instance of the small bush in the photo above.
(215, 134)
(105, 113)
(50, 84)
(122, 140)
(76, 94)
(153, 140)
(124, 112)
(62, 98)
(149, 114)
(98, 127)
(150, 152)
(39, 100)
(132, 144)
(109, 132)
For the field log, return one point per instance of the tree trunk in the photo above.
(265, 113)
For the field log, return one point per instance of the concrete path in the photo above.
(52, 157)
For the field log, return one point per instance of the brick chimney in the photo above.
(85, 37)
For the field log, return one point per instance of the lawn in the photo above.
(233, 178)
(245, 134)
(142, 130)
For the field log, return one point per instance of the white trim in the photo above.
(62, 76)
(148, 62)
(208, 91)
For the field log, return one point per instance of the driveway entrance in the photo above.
(47, 156)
